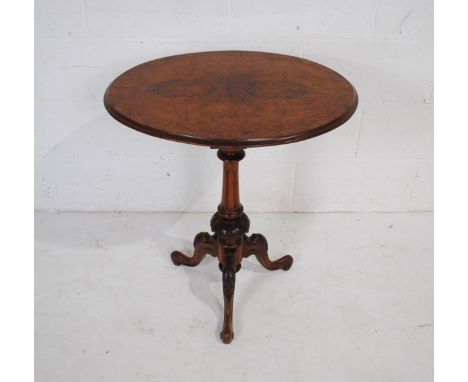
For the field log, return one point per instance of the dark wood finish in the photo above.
(231, 99)
(229, 242)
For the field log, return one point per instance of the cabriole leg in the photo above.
(229, 283)
(204, 244)
(257, 245)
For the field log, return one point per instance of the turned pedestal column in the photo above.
(229, 243)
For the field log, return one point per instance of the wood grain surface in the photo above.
(236, 99)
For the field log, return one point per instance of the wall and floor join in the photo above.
(353, 207)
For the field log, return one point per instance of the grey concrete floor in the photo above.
(357, 305)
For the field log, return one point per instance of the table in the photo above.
(231, 101)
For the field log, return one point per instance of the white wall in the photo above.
(381, 160)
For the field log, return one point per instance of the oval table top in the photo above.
(231, 99)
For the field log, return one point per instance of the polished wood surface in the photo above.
(231, 99)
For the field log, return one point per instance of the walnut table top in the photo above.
(231, 99)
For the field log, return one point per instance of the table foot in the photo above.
(204, 244)
(257, 245)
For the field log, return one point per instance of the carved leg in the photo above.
(229, 282)
(257, 245)
(204, 243)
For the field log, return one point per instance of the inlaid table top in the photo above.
(231, 99)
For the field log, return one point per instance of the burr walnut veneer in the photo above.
(231, 101)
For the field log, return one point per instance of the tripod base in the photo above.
(230, 245)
